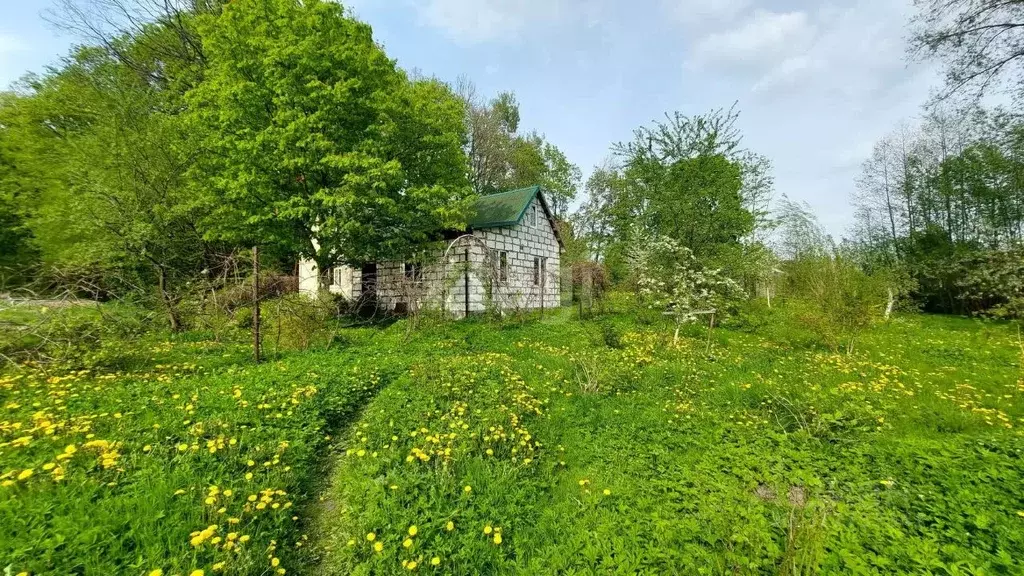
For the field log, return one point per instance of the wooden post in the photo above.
(467, 283)
(256, 352)
(543, 282)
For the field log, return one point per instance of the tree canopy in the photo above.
(312, 139)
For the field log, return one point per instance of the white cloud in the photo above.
(475, 21)
(703, 12)
(765, 36)
(786, 72)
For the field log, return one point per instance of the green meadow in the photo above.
(549, 446)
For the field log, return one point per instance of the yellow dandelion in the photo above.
(371, 536)
(275, 561)
(157, 572)
(197, 573)
(467, 489)
(497, 538)
(411, 565)
(378, 546)
(25, 474)
(407, 543)
(435, 561)
(449, 526)
(412, 530)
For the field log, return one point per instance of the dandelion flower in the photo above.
(412, 530)
(411, 565)
(407, 543)
(275, 561)
(371, 536)
(497, 538)
(435, 561)
(449, 526)
(197, 573)
(378, 546)
(607, 492)
(467, 489)
(25, 474)
(157, 572)
(488, 529)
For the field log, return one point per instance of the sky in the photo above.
(816, 82)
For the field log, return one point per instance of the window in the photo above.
(503, 266)
(413, 271)
(533, 215)
(536, 271)
(543, 270)
(336, 275)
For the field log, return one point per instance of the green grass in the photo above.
(758, 459)
(590, 447)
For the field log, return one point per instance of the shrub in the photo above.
(670, 280)
(834, 298)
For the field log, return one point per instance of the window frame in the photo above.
(413, 271)
(503, 266)
(536, 270)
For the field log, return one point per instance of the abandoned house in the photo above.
(506, 260)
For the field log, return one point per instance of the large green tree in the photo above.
(109, 198)
(501, 157)
(311, 139)
(685, 178)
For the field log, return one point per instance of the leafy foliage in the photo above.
(943, 199)
(311, 139)
(501, 157)
(669, 279)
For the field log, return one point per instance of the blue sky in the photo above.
(817, 83)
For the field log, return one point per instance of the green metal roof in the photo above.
(502, 209)
(508, 209)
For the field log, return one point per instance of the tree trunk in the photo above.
(172, 314)
(256, 341)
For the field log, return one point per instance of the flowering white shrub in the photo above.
(669, 278)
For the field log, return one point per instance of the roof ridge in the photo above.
(524, 188)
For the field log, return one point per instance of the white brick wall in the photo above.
(440, 285)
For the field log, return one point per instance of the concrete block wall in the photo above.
(442, 284)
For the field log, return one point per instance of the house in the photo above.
(507, 260)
